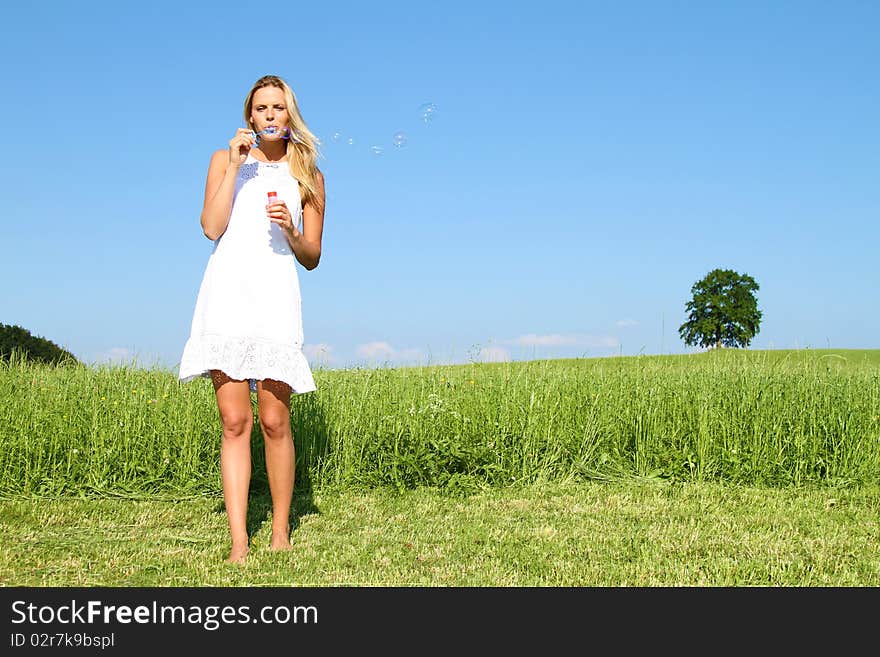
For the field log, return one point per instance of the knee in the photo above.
(275, 425)
(236, 423)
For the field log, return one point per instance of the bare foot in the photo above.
(280, 540)
(238, 554)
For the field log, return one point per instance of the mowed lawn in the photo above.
(637, 533)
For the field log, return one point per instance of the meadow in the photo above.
(719, 468)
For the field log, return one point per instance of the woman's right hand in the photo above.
(239, 146)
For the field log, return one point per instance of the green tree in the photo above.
(38, 349)
(723, 311)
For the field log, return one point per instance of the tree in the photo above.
(723, 311)
(33, 348)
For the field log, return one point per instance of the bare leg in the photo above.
(273, 398)
(236, 416)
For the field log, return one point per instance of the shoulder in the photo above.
(320, 189)
(219, 159)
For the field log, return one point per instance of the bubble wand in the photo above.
(271, 130)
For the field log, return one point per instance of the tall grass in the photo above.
(757, 418)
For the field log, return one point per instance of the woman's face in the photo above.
(268, 108)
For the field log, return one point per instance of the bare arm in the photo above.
(307, 244)
(219, 189)
(220, 186)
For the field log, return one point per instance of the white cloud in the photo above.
(319, 353)
(384, 352)
(623, 323)
(493, 355)
(531, 339)
(410, 355)
(600, 341)
(557, 339)
(373, 350)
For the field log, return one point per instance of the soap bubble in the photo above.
(399, 139)
(427, 111)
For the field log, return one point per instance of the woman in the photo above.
(247, 327)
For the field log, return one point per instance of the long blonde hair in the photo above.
(302, 147)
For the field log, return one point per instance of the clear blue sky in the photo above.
(586, 164)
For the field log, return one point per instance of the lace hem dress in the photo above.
(248, 313)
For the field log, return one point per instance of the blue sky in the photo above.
(586, 164)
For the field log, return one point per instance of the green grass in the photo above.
(752, 418)
(575, 534)
(723, 468)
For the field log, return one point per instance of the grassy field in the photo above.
(736, 467)
(552, 534)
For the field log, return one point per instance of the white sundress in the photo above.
(248, 314)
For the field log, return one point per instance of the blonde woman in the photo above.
(247, 332)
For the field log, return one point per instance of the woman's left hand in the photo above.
(279, 213)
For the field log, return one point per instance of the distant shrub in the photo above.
(31, 347)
